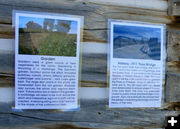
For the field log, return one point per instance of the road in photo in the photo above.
(136, 65)
(136, 42)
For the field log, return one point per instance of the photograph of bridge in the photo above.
(136, 42)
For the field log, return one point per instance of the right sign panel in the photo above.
(136, 64)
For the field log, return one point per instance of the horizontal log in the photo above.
(87, 80)
(172, 82)
(7, 96)
(173, 106)
(6, 81)
(6, 31)
(173, 46)
(95, 15)
(86, 83)
(87, 9)
(94, 62)
(154, 4)
(7, 62)
(176, 0)
(96, 35)
(6, 56)
(173, 68)
(174, 26)
(75, 125)
(172, 88)
(94, 78)
(92, 111)
(174, 7)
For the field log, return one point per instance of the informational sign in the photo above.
(136, 64)
(47, 48)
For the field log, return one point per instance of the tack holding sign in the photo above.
(136, 64)
(47, 60)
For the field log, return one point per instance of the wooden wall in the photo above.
(93, 112)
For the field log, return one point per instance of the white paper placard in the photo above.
(136, 64)
(47, 48)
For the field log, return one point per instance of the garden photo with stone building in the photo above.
(43, 36)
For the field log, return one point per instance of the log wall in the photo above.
(93, 112)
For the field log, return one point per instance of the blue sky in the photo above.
(24, 20)
(134, 31)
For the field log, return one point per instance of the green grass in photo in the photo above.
(60, 44)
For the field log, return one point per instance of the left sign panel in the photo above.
(47, 50)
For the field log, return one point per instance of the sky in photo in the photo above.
(24, 20)
(137, 32)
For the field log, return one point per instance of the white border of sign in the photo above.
(79, 20)
(111, 59)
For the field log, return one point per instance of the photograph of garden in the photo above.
(136, 42)
(42, 36)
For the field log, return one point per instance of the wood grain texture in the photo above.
(173, 68)
(6, 57)
(6, 62)
(6, 31)
(174, 7)
(7, 81)
(155, 4)
(95, 14)
(92, 111)
(172, 88)
(173, 46)
(94, 67)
